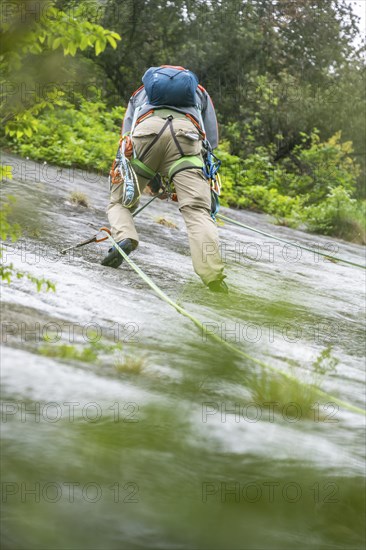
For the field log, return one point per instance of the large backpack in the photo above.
(168, 85)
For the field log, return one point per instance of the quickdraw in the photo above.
(123, 173)
(95, 238)
(88, 241)
(210, 169)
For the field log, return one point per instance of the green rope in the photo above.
(198, 324)
(234, 222)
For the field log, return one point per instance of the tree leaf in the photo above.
(112, 41)
(98, 47)
(72, 49)
(85, 42)
(56, 43)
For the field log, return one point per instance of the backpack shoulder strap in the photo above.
(137, 91)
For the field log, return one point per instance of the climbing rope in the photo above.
(231, 347)
(328, 256)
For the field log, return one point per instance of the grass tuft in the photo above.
(130, 364)
(299, 400)
(166, 223)
(79, 199)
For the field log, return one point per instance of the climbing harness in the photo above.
(328, 256)
(185, 162)
(228, 345)
(209, 165)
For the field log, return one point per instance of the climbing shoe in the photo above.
(114, 258)
(218, 286)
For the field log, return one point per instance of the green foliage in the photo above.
(131, 364)
(41, 283)
(313, 186)
(8, 230)
(84, 136)
(275, 71)
(33, 71)
(296, 189)
(325, 363)
(25, 122)
(91, 353)
(319, 167)
(282, 207)
(67, 351)
(50, 30)
(6, 172)
(338, 215)
(31, 46)
(7, 272)
(11, 231)
(267, 388)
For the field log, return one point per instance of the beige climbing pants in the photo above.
(193, 191)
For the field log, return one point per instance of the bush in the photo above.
(84, 136)
(317, 167)
(282, 207)
(313, 186)
(338, 215)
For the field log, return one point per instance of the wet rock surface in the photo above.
(170, 427)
